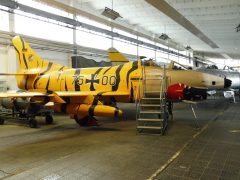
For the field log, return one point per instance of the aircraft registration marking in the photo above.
(104, 80)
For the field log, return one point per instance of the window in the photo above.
(125, 47)
(4, 20)
(173, 58)
(45, 7)
(92, 39)
(93, 23)
(161, 45)
(146, 40)
(148, 53)
(161, 54)
(124, 33)
(89, 39)
(41, 29)
(163, 60)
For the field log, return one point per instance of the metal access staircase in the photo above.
(152, 115)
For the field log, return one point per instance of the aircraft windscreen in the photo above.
(150, 62)
(228, 68)
(225, 68)
(177, 66)
(212, 67)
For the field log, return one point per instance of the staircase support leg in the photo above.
(195, 117)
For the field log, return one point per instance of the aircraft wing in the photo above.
(56, 96)
(91, 93)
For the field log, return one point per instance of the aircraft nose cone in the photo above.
(227, 83)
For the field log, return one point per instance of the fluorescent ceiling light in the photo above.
(110, 13)
(164, 37)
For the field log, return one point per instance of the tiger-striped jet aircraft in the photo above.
(87, 92)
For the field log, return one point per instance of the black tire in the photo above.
(1, 121)
(33, 123)
(82, 122)
(49, 119)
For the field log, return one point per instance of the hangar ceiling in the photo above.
(213, 20)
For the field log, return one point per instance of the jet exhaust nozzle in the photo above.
(227, 83)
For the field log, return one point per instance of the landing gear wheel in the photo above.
(33, 123)
(82, 122)
(169, 109)
(49, 119)
(1, 121)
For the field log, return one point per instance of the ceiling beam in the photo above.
(168, 10)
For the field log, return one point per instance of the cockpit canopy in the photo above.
(172, 65)
(177, 66)
(225, 68)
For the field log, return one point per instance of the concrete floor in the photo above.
(114, 151)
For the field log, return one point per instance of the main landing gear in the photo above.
(26, 115)
(49, 119)
(1, 121)
(32, 122)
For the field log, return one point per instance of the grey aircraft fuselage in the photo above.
(234, 76)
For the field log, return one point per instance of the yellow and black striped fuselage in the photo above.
(54, 77)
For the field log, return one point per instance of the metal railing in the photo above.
(137, 98)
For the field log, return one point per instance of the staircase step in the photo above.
(145, 79)
(158, 98)
(151, 105)
(150, 112)
(154, 74)
(150, 92)
(149, 127)
(151, 120)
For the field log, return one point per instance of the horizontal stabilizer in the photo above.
(20, 94)
(23, 73)
(115, 56)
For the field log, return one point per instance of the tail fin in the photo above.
(30, 64)
(27, 58)
(116, 57)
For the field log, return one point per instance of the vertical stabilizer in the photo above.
(27, 58)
